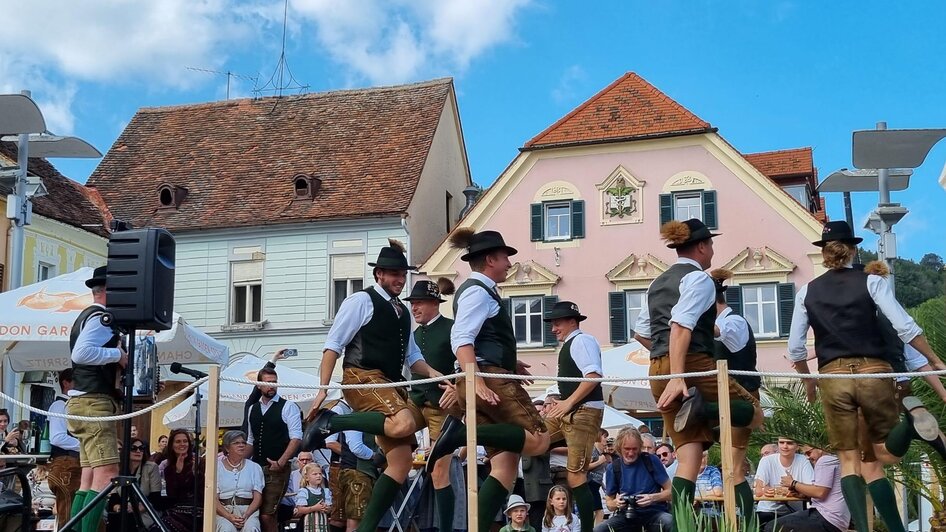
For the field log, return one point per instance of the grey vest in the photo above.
(664, 293)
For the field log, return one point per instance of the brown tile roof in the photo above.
(783, 163)
(237, 158)
(67, 201)
(629, 108)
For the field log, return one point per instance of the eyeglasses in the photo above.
(137, 447)
(664, 454)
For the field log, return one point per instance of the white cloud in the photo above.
(568, 84)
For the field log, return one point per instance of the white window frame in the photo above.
(50, 271)
(246, 284)
(349, 279)
(531, 340)
(631, 322)
(696, 195)
(804, 188)
(567, 205)
(756, 309)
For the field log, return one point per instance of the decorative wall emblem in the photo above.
(621, 198)
(688, 180)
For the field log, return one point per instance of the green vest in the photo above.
(568, 368)
(270, 432)
(382, 343)
(87, 377)
(367, 466)
(434, 343)
(495, 344)
(663, 294)
(743, 360)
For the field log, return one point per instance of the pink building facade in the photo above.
(583, 202)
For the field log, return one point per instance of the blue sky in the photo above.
(768, 74)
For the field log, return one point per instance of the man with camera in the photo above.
(637, 488)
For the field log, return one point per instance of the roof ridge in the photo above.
(295, 97)
(784, 150)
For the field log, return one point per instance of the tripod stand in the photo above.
(126, 482)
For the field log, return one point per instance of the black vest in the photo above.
(350, 461)
(434, 343)
(86, 377)
(495, 344)
(55, 451)
(744, 360)
(663, 294)
(568, 368)
(382, 343)
(270, 432)
(844, 317)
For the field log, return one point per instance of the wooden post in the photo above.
(725, 444)
(210, 461)
(472, 488)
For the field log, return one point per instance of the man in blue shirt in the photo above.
(639, 477)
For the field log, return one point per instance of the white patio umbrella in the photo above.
(36, 320)
(233, 395)
(613, 418)
(630, 361)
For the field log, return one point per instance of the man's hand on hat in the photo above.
(483, 392)
(675, 388)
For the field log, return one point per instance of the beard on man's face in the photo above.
(269, 391)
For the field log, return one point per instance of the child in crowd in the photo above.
(517, 511)
(558, 512)
(314, 500)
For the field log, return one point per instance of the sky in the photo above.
(769, 74)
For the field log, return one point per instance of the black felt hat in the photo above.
(425, 291)
(564, 309)
(392, 257)
(837, 231)
(479, 243)
(680, 234)
(98, 277)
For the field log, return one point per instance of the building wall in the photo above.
(62, 246)
(753, 213)
(446, 171)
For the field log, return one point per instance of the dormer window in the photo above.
(171, 196)
(305, 186)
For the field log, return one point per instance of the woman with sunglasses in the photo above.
(148, 478)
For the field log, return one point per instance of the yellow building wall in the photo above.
(64, 247)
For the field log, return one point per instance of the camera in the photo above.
(630, 511)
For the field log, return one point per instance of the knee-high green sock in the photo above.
(502, 436)
(92, 520)
(382, 497)
(745, 501)
(446, 500)
(886, 503)
(682, 491)
(741, 412)
(898, 441)
(491, 498)
(370, 422)
(77, 503)
(585, 504)
(855, 495)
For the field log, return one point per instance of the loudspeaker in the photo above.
(139, 283)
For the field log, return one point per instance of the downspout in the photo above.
(407, 248)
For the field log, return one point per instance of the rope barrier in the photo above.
(120, 417)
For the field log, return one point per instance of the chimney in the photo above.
(472, 194)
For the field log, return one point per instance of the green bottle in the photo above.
(44, 446)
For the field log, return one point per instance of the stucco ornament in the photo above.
(620, 199)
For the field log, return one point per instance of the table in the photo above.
(415, 483)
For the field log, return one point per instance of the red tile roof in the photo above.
(237, 158)
(783, 163)
(66, 201)
(629, 108)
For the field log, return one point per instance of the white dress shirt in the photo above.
(58, 433)
(291, 416)
(586, 353)
(474, 307)
(88, 349)
(733, 330)
(879, 290)
(353, 314)
(697, 295)
(240, 483)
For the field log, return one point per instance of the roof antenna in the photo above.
(278, 82)
(229, 75)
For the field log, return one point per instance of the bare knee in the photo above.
(536, 443)
(400, 425)
(577, 479)
(440, 476)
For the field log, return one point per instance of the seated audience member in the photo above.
(181, 470)
(828, 511)
(768, 479)
(709, 483)
(668, 458)
(767, 449)
(640, 479)
(287, 506)
(162, 445)
(239, 487)
(650, 443)
(149, 478)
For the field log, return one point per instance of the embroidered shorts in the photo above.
(434, 416)
(98, 440)
(708, 387)
(355, 492)
(843, 398)
(579, 429)
(902, 389)
(65, 473)
(388, 401)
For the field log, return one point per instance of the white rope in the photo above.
(793, 375)
(120, 417)
(333, 386)
(695, 374)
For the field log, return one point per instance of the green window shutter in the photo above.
(548, 338)
(786, 306)
(538, 227)
(709, 209)
(734, 299)
(666, 208)
(617, 309)
(578, 219)
(507, 304)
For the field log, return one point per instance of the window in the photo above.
(760, 308)
(246, 303)
(699, 204)
(800, 193)
(635, 301)
(348, 277)
(623, 309)
(45, 271)
(527, 320)
(558, 220)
